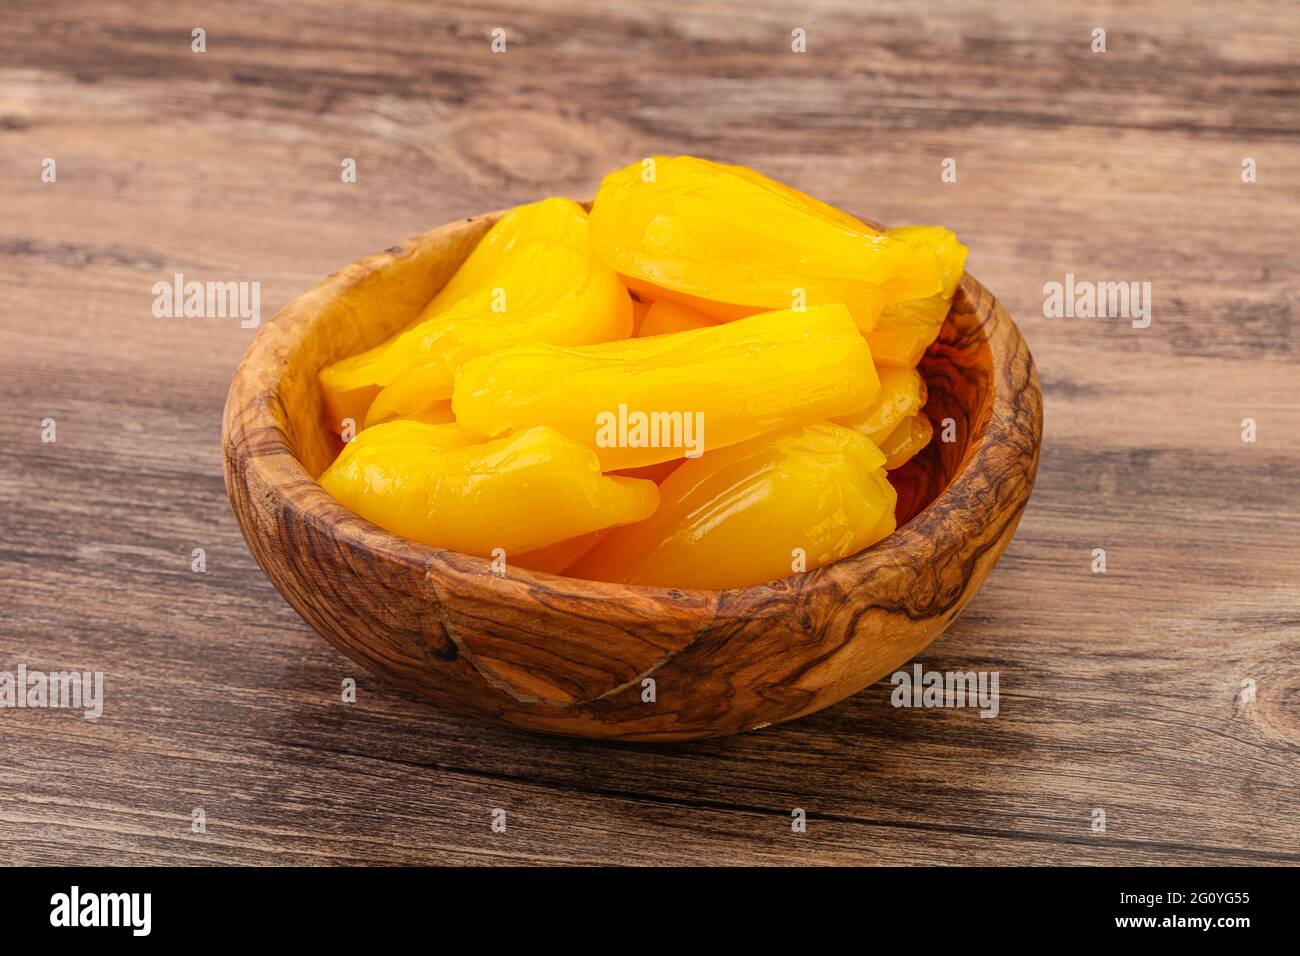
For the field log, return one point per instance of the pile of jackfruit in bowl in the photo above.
(703, 383)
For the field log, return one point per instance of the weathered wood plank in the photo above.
(1120, 691)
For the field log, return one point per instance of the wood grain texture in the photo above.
(1120, 691)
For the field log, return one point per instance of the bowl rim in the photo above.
(258, 449)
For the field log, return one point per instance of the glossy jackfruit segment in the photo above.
(906, 329)
(943, 242)
(656, 472)
(715, 311)
(432, 483)
(641, 401)
(640, 308)
(445, 435)
(435, 414)
(558, 557)
(665, 316)
(736, 516)
(516, 413)
(731, 235)
(344, 404)
(901, 348)
(534, 277)
(908, 437)
(902, 393)
(416, 395)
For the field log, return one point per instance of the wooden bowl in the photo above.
(569, 656)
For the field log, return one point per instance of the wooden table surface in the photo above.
(1164, 692)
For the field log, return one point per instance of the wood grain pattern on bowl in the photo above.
(569, 656)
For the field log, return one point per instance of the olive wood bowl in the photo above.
(590, 659)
